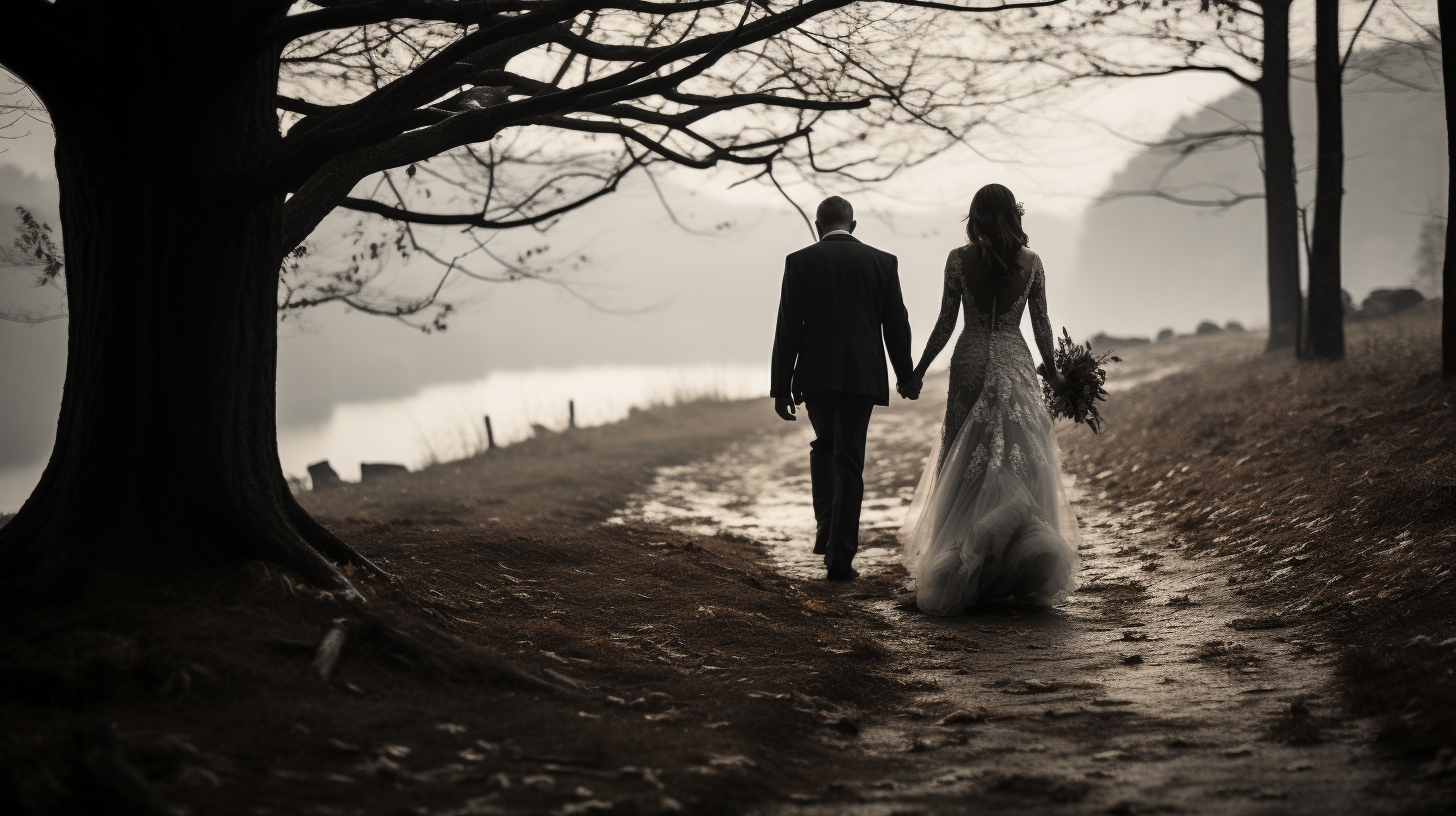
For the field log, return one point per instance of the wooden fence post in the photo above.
(489, 434)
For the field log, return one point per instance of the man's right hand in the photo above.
(785, 408)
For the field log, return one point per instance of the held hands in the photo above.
(910, 390)
(785, 408)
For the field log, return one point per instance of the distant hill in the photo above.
(1143, 264)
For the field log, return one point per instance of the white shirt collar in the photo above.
(834, 232)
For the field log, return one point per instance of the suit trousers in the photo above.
(836, 468)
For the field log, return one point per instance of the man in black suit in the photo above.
(840, 298)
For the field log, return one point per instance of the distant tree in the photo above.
(198, 144)
(33, 251)
(1430, 256)
(33, 248)
(1247, 40)
(1448, 273)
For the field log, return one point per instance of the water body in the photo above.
(447, 421)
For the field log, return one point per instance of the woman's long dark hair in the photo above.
(994, 223)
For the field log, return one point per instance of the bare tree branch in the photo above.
(1350, 49)
(477, 220)
(460, 12)
(1104, 72)
(1219, 203)
(519, 111)
(293, 105)
(330, 183)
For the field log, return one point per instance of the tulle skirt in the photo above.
(993, 522)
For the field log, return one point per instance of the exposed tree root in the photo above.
(327, 543)
(446, 658)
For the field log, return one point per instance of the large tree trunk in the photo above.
(166, 449)
(1326, 303)
(1447, 20)
(1281, 205)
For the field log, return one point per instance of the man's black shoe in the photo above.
(843, 575)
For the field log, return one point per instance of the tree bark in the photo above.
(172, 276)
(1447, 19)
(1326, 305)
(1281, 206)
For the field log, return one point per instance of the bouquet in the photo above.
(1078, 399)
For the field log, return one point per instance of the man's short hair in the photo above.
(836, 211)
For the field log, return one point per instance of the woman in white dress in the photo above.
(990, 520)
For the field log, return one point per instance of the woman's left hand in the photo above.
(1056, 381)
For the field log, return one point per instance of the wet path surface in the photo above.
(1155, 689)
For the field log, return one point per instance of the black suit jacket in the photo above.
(840, 310)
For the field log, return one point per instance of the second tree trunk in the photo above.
(1326, 339)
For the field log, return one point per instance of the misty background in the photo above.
(683, 295)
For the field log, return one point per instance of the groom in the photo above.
(839, 298)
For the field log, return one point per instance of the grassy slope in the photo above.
(1332, 487)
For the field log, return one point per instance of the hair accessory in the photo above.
(1020, 208)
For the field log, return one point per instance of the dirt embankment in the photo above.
(1331, 489)
(528, 658)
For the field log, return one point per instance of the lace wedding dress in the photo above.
(990, 519)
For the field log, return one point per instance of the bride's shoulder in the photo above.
(957, 258)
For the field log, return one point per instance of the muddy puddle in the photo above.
(1155, 689)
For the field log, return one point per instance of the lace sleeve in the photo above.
(950, 302)
(1041, 325)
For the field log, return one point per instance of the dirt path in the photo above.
(1155, 689)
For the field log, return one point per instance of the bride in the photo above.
(990, 520)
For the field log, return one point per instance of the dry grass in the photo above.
(1333, 485)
